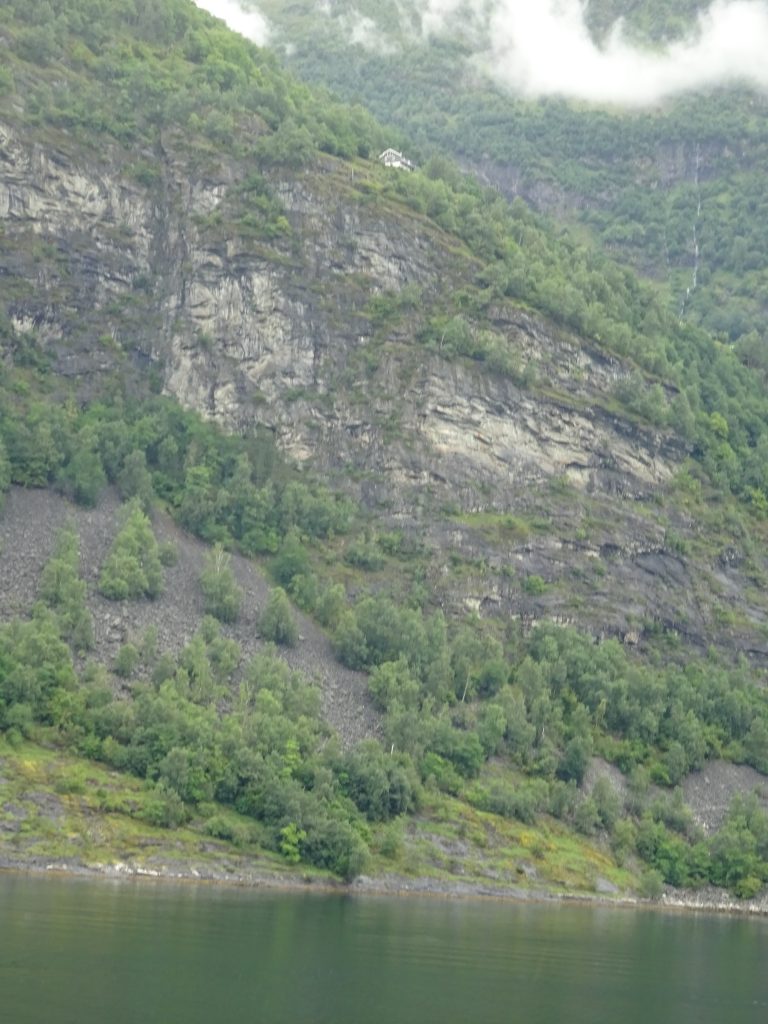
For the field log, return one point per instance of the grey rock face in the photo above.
(276, 328)
(242, 332)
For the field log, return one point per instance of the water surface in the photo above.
(94, 952)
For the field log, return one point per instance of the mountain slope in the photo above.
(675, 190)
(293, 297)
(517, 431)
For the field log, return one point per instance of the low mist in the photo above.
(251, 24)
(544, 48)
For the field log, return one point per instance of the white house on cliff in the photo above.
(394, 158)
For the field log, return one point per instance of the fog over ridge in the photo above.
(543, 47)
(249, 23)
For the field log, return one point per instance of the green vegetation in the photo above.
(690, 383)
(648, 21)
(269, 758)
(221, 593)
(227, 489)
(132, 568)
(62, 590)
(508, 726)
(71, 807)
(276, 622)
(687, 380)
(125, 69)
(637, 183)
(5, 474)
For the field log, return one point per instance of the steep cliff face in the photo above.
(240, 331)
(275, 327)
(227, 320)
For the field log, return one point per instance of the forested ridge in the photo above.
(502, 718)
(668, 190)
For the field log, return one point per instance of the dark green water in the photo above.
(79, 952)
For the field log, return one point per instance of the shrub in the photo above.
(64, 592)
(335, 845)
(607, 802)
(135, 480)
(381, 786)
(747, 888)
(83, 478)
(391, 844)
(330, 605)
(305, 591)
(651, 884)
(586, 818)
(534, 585)
(223, 597)
(440, 772)
(349, 642)
(575, 758)
(291, 838)
(165, 808)
(291, 560)
(168, 554)
(132, 568)
(392, 682)
(276, 622)
(19, 718)
(623, 840)
(126, 661)
(5, 469)
(220, 827)
(364, 554)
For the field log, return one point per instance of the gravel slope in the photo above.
(709, 792)
(28, 528)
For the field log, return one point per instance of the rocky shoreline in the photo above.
(705, 900)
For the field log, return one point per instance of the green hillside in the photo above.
(165, 181)
(648, 186)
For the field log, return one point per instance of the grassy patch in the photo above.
(58, 806)
(54, 804)
(502, 527)
(450, 841)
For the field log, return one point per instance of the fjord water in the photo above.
(82, 952)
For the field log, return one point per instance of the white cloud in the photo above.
(467, 18)
(543, 47)
(251, 23)
(439, 14)
(364, 32)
